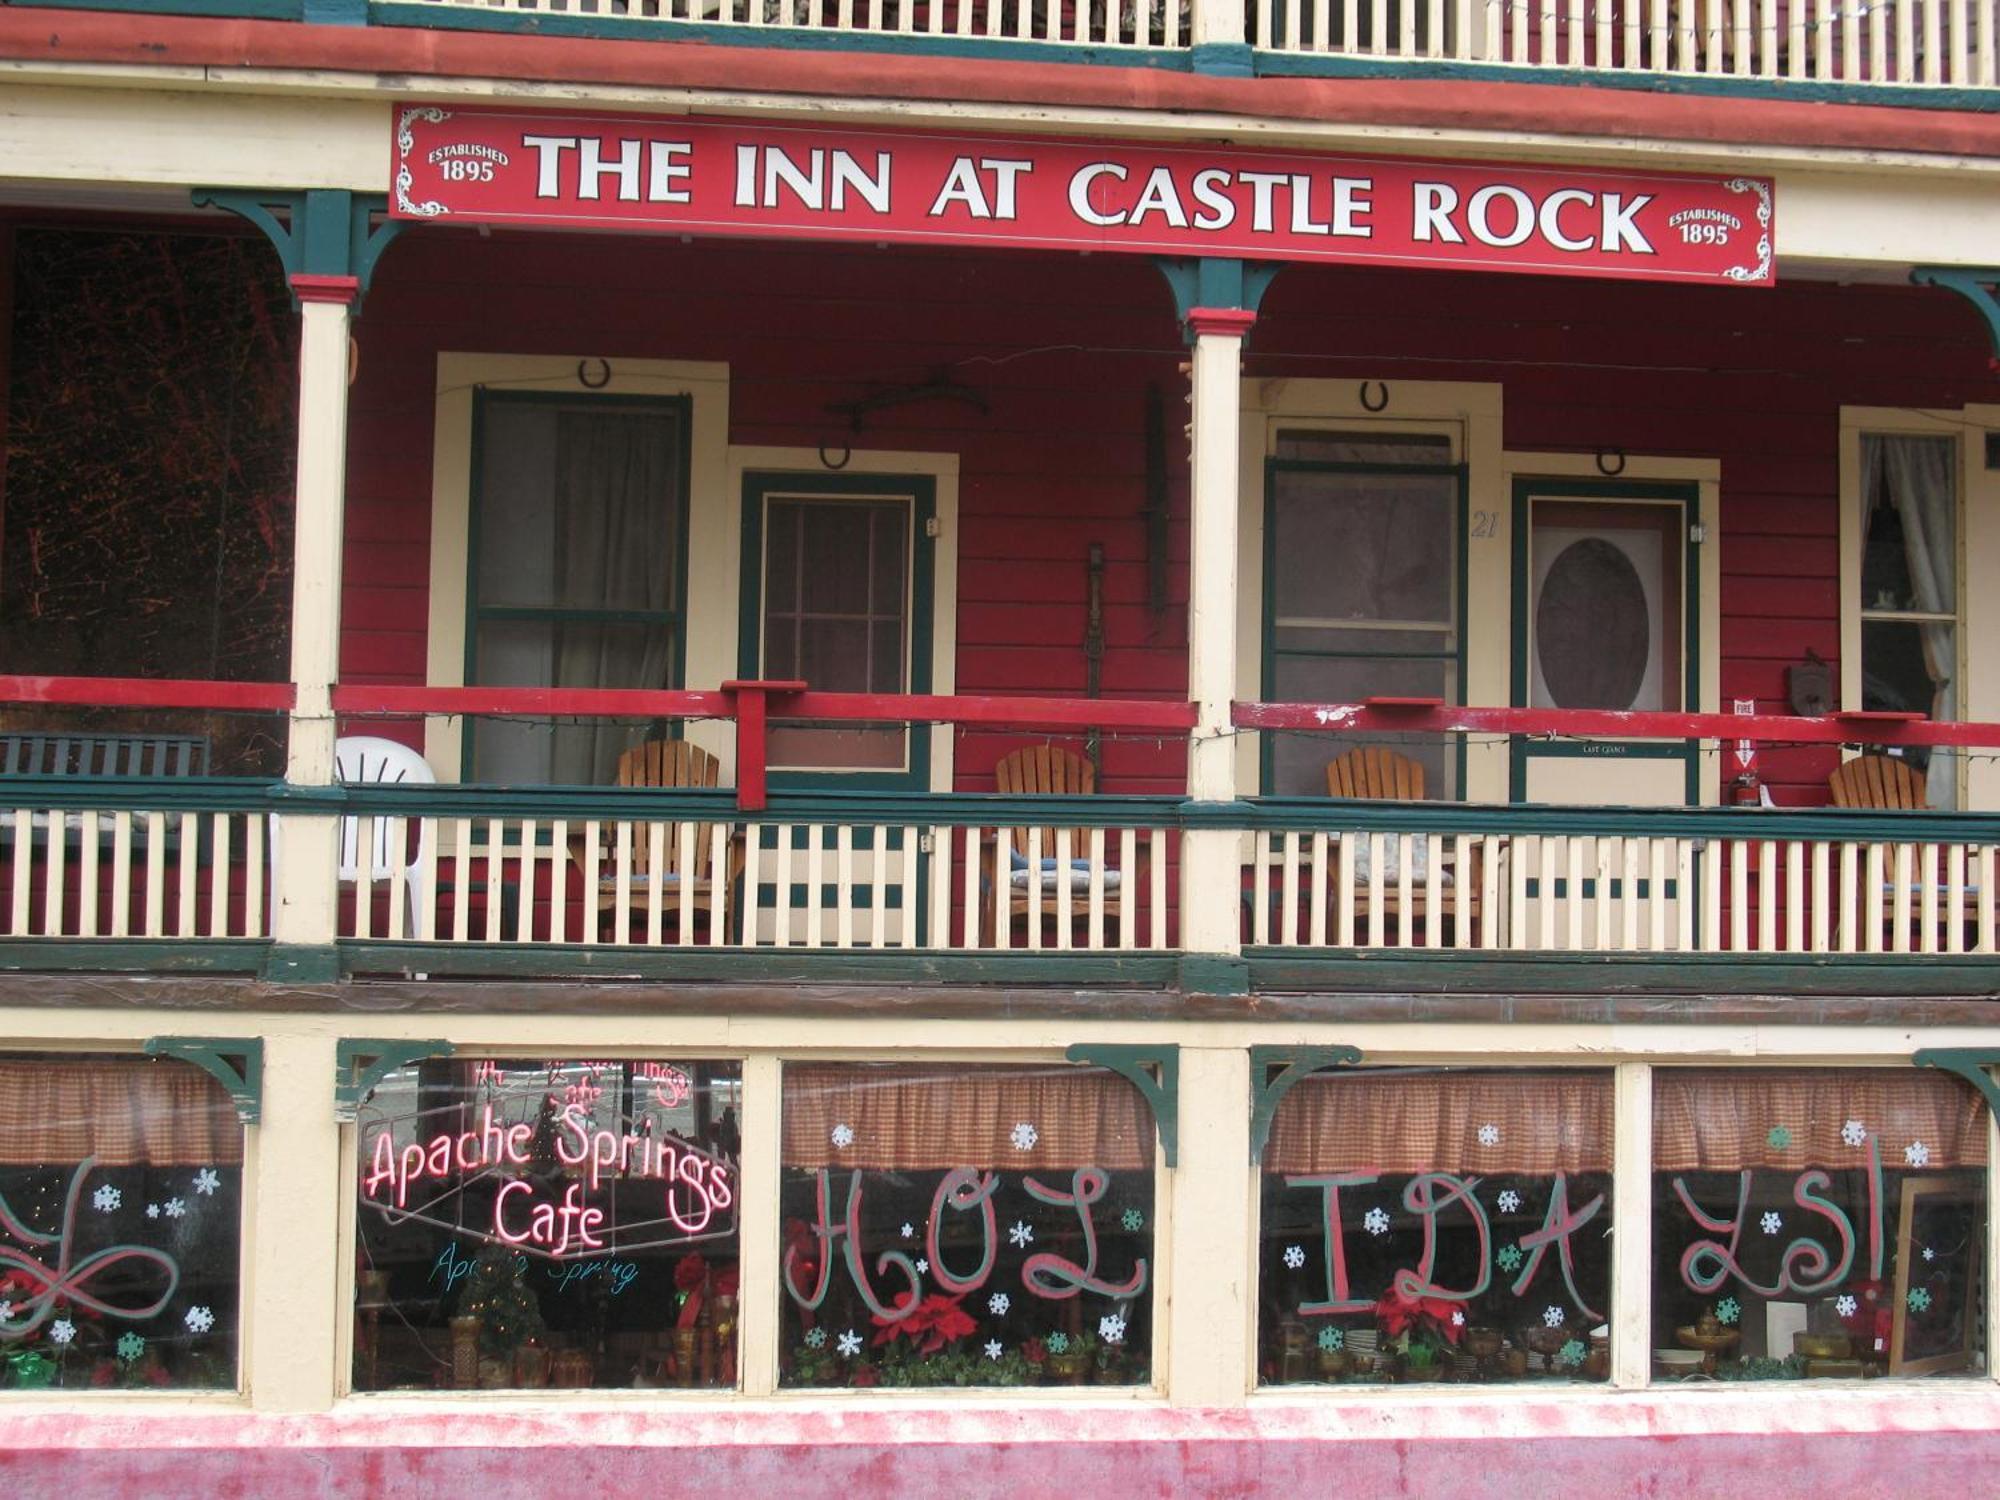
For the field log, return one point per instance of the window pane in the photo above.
(559, 1223)
(579, 505)
(1298, 761)
(565, 653)
(959, 1225)
(1385, 448)
(1364, 546)
(127, 1175)
(1433, 1224)
(1909, 547)
(1823, 1223)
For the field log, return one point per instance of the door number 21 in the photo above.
(1485, 523)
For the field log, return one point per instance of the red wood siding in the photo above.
(1063, 348)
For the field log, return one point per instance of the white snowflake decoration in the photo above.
(909, 1231)
(1024, 1136)
(1844, 1305)
(1771, 1223)
(923, 1266)
(997, 1304)
(1020, 1235)
(152, 1210)
(1929, 1254)
(206, 1181)
(815, 1338)
(1111, 1328)
(1552, 1316)
(842, 1135)
(993, 1350)
(6, 1311)
(1458, 1317)
(175, 1208)
(1510, 1202)
(199, 1320)
(1375, 1221)
(849, 1344)
(1917, 1154)
(1854, 1133)
(61, 1331)
(106, 1198)
(1489, 1135)
(1295, 1256)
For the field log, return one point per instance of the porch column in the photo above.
(1211, 877)
(306, 894)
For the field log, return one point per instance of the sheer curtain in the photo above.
(614, 478)
(1922, 487)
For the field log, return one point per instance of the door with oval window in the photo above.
(1604, 618)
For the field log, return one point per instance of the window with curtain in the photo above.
(1817, 1223)
(121, 1200)
(1909, 589)
(1437, 1224)
(1361, 592)
(578, 528)
(548, 1223)
(952, 1224)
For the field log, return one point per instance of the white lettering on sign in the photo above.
(1435, 218)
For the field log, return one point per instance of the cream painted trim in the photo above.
(1705, 472)
(1978, 566)
(710, 532)
(1471, 415)
(721, 651)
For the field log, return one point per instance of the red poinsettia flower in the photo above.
(727, 1281)
(690, 1271)
(1034, 1351)
(1427, 1317)
(938, 1320)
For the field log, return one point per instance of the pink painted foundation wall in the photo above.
(1759, 1443)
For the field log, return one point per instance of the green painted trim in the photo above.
(1687, 493)
(682, 408)
(132, 955)
(1980, 287)
(787, 38)
(1162, 1090)
(1970, 1063)
(337, 12)
(360, 1064)
(1220, 281)
(1224, 59)
(1295, 1065)
(760, 965)
(1426, 971)
(1272, 64)
(235, 1062)
(921, 492)
(300, 963)
(325, 231)
(254, 10)
(1862, 825)
(167, 794)
(1211, 974)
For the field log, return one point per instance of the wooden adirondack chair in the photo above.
(1042, 771)
(1882, 781)
(684, 861)
(1378, 774)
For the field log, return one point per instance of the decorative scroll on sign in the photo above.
(678, 176)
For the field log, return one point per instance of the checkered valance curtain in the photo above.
(1535, 1122)
(124, 1111)
(1723, 1120)
(935, 1116)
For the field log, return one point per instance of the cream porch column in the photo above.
(305, 898)
(1211, 873)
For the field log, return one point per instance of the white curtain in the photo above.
(1922, 486)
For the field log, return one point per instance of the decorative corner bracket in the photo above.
(1216, 282)
(1979, 285)
(1162, 1089)
(319, 233)
(359, 1065)
(1969, 1063)
(1295, 1065)
(235, 1062)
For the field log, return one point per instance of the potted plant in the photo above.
(1070, 1356)
(1419, 1329)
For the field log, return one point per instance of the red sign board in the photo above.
(723, 177)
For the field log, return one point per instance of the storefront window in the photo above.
(1431, 1224)
(530, 1224)
(120, 1202)
(1817, 1224)
(956, 1225)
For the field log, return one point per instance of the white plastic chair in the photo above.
(366, 759)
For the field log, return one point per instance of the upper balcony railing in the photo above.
(451, 879)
